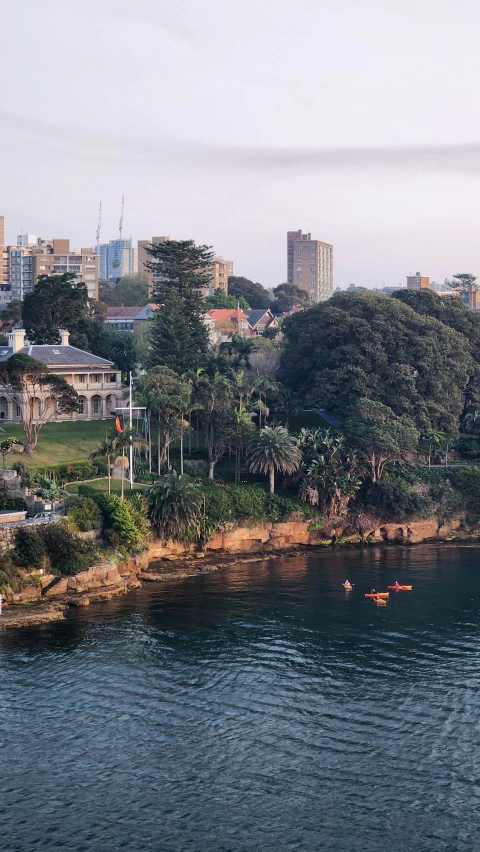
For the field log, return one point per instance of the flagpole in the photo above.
(131, 423)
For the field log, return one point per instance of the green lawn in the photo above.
(60, 443)
(102, 485)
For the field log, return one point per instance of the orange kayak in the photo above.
(378, 595)
(380, 601)
(401, 588)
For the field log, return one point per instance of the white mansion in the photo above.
(97, 382)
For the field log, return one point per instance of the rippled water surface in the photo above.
(257, 708)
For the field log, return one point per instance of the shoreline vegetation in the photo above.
(111, 581)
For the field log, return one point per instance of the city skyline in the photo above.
(374, 155)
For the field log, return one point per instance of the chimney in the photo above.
(64, 335)
(16, 339)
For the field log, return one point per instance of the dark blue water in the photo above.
(257, 708)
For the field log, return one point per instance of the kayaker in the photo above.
(347, 584)
(397, 584)
(373, 591)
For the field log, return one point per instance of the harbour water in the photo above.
(260, 707)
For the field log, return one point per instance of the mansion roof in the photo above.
(56, 355)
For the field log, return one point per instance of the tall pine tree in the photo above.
(179, 335)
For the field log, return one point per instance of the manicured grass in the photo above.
(60, 443)
(102, 485)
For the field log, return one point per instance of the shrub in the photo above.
(29, 548)
(393, 499)
(12, 502)
(68, 553)
(125, 522)
(85, 514)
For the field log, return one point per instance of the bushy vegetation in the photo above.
(30, 550)
(85, 514)
(68, 553)
(125, 521)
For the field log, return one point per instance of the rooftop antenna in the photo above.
(120, 224)
(98, 227)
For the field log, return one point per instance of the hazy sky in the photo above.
(233, 122)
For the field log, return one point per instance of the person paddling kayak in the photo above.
(347, 584)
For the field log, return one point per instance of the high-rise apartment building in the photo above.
(22, 263)
(418, 282)
(143, 258)
(310, 265)
(117, 258)
(220, 271)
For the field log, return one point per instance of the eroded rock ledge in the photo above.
(49, 600)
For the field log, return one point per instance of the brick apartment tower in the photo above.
(418, 282)
(143, 257)
(310, 265)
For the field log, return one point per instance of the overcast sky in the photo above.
(233, 122)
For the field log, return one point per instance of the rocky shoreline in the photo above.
(166, 563)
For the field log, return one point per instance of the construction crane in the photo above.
(120, 224)
(98, 228)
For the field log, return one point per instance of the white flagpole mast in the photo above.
(131, 422)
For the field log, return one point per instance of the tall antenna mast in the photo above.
(99, 227)
(120, 224)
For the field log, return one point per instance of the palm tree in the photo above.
(239, 349)
(106, 450)
(273, 449)
(174, 505)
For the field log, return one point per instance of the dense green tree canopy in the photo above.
(178, 333)
(288, 296)
(253, 292)
(365, 345)
(130, 291)
(56, 302)
(221, 300)
(379, 435)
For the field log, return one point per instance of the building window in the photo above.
(81, 403)
(96, 405)
(97, 378)
(18, 411)
(81, 379)
(111, 377)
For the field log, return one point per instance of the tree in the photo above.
(174, 505)
(172, 342)
(107, 449)
(454, 314)
(178, 332)
(38, 393)
(217, 417)
(379, 434)
(129, 437)
(6, 445)
(272, 450)
(162, 391)
(253, 292)
(123, 350)
(288, 296)
(239, 349)
(12, 311)
(362, 344)
(221, 300)
(330, 471)
(56, 302)
(131, 290)
(463, 282)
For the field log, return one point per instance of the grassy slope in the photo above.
(60, 443)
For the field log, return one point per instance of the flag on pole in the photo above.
(145, 420)
(117, 424)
